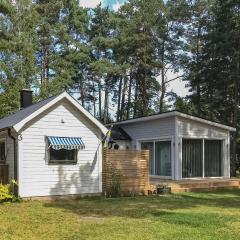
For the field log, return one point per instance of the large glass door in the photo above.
(192, 164)
(213, 158)
(149, 146)
(160, 159)
(201, 158)
(163, 158)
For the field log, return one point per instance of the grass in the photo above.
(212, 215)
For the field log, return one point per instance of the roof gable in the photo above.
(22, 117)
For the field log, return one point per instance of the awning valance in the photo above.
(68, 143)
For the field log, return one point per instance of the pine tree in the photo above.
(17, 46)
(215, 73)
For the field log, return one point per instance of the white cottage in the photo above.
(53, 147)
(181, 146)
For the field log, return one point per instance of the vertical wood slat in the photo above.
(4, 174)
(133, 166)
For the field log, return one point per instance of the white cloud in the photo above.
(89, 3)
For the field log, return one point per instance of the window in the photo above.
(213, 158)
(192, 158)
(201, 158)
(149, 146)
(62, 156)
(160, 157)
(163, 158)
(2, 152)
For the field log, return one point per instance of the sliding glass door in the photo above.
(150, 146)
(163, 158)
(160, 157)
(192, 163)
(201, 158)
(213, 158)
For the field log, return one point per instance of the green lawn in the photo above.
(214, 215)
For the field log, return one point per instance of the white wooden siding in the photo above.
(152, 129)
(37, 178)
(189, 127)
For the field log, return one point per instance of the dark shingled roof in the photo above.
(118, 133)
(18, 116)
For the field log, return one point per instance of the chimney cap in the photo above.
(25, 90)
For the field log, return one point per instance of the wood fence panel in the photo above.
(133, 166)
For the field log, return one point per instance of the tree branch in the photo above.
(173, 79)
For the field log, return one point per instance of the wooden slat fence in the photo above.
(133, 166)
(4, 174)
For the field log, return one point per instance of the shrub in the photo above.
(7, 192)
(115, 180)
(116, 187)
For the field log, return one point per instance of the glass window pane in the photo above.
(2, 151)
(213, 158)
(192, 159)
(149, 146)
(163, 158)
(62, 155)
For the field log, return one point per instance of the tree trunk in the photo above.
(198, 80)
(105, 111)
(123, 99)
(129, 96)
(163, 87)
(135, 100)
(119, 99)
(81, 91)
(94, 100)
(100, 100)
(235, 116)
(163, 91)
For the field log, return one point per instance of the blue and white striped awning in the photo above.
(68, 143)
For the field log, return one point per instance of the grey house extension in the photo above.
(181, 146)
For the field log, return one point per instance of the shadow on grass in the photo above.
(163, 207)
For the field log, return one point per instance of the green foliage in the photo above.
(213, 70)
(118, 64)
(115, 181)
(7, 192)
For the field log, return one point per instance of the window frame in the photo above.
(60, 162)
(154, 140)
(3, 161)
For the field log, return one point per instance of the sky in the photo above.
(177, 86)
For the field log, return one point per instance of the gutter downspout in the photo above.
(15, 172)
